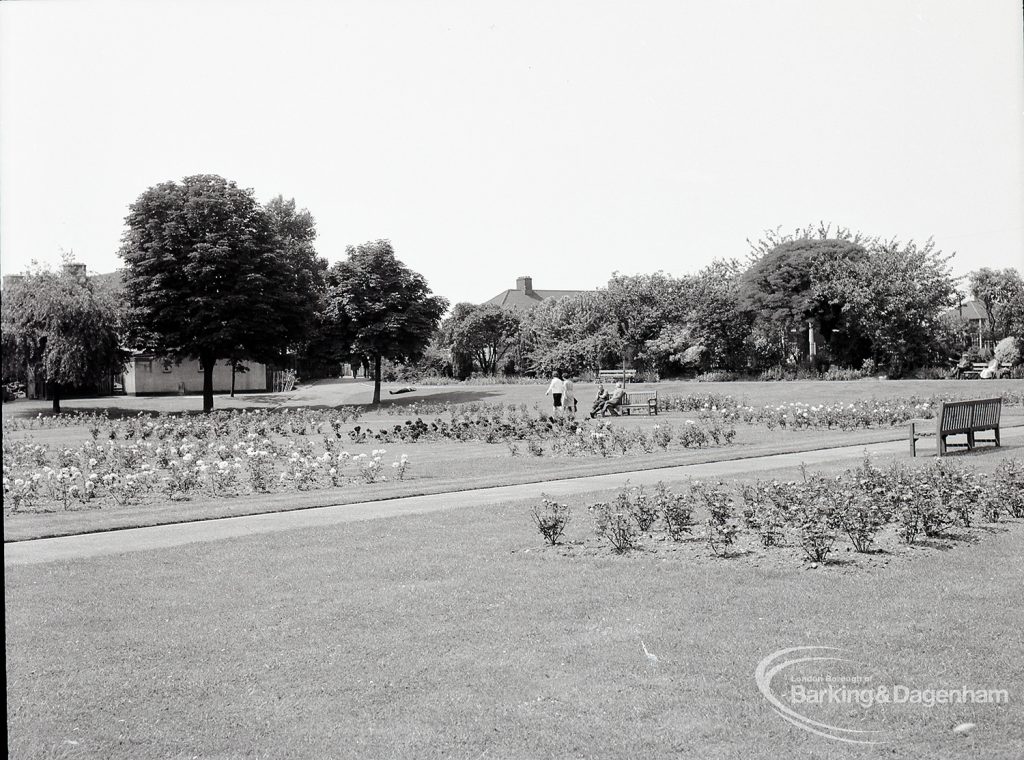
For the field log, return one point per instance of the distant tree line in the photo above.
(213, 275)
(862, 301)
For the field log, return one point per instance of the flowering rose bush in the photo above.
(868, 413)
(179, 458)
(813, 514)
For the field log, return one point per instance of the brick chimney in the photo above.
(524, 285)
(77, 271)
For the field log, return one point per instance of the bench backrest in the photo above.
(640, 397)
(961, 416)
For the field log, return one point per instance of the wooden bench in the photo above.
(613, 375)
(646, 401)
(959, 418)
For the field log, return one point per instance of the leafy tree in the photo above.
(1002, 294)
(209, 274)
(894, 298)
(486, 333)
(572, 334)
(63, 326)
(380, 307)
(640, 306)
(793, 285)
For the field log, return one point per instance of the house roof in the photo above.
(523, 296)
(971, 310)
(523, 300)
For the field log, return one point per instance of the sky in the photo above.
(489, 140)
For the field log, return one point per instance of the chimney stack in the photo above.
(524, 285)
(77, 271)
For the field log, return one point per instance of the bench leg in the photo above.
(997, 435)
(942, 445)
(970, 440)
(913, 441)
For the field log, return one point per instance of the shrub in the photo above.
(1006, 351)
(721, 525)
(765, 510)
(861, 518)
(639, 506)
(616, 526)
(717, 377)
(842, 373)
(551, 519)
(1008, 486)
(677, 510)
(721, 536)
(814, 517)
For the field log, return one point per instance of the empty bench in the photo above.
(614, 375)
(959, 418)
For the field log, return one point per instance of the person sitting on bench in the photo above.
(599, 400)
(614, 401)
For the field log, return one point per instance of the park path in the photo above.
(162, 536)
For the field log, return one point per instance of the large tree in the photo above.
(893, 300)
(571, 334)
(640, 306)
(488, 333)
(211, 275)
(382, 308)
(64, 326)
(792, 285)
(1002, 294)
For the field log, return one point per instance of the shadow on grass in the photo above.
(458, 396)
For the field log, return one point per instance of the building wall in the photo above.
(147, 375)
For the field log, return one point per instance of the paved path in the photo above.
(162, 536)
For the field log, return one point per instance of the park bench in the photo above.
(646, 401)
(959, 418)
(614, 375)
(978, 367)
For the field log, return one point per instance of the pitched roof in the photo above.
(971, 310)
(521, 299)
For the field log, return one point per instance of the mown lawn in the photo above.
(458, 634)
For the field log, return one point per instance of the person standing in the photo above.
(555, 390)
(569, 397)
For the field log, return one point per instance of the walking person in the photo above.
(569, 397)
(555, 390)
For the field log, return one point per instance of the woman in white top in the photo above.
(556, 389)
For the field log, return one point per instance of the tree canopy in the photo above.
(60, 324)
(380, 308)
(489, 334)
(1001, 291)
(210, 274)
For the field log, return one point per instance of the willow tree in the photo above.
(60, 324)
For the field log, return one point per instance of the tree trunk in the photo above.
(55, 392)
(208, 363)
(234, 370)
(376, 380)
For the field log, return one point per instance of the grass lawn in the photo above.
(332, 393)
(458, 634)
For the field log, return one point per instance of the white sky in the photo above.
(562, 140)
